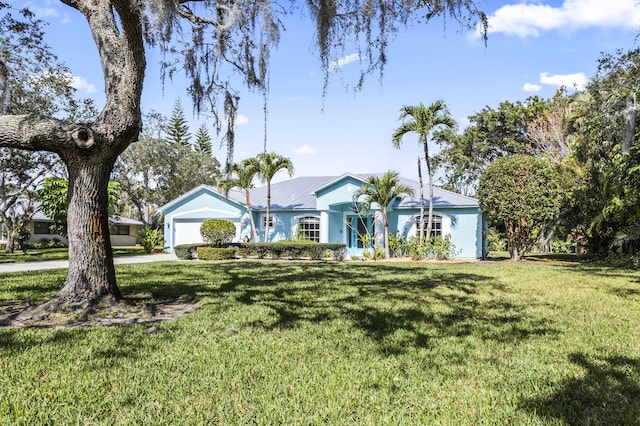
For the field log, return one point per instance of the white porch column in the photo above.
(324, 226)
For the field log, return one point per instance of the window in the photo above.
(264, 222)
(309, 228)
(436, 225)
(42, 228)
(120, 230)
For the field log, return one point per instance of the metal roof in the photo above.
(299, 193)
(290, 194)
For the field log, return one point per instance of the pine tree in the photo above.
(203, 141)
(178, 129)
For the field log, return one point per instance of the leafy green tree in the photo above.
(54, 195)
(139, 170)
(381, 190)
(522, 193)
(492, 134)
(243, 175)
(32, 81)
(178, 128)
(154, 171)
(186, 170)
(203, 141)
(602, 122)
(270, 163)
(219, 47)
(423, 121)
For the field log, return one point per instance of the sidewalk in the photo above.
(59, 264)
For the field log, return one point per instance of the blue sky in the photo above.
(534, 47)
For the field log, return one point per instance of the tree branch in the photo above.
(43, 134)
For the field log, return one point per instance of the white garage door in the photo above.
(187, 231)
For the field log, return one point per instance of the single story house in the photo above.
(124, 231)
(321, 209)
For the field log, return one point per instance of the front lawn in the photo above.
(40, 255)
(339, 343)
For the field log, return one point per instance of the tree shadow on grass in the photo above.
(399, 307)
(607, 394)
(124, 343)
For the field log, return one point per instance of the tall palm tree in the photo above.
(423, 121)
(270, 163)
(382, 190)
(242, 176)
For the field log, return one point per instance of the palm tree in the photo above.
(243, 175)
(424, 121)
(270, 163)
(382, 190)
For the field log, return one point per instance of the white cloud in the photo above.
(241, 120)
(339, 63)
(304, 150)
(80, 83)
(49, 13)
(576, 81)
(528, 19)
(530, 87)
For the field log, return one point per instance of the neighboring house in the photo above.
(124, 231)
(321, 209)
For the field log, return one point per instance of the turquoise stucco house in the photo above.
(321, 209)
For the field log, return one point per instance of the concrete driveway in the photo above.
(60, 264)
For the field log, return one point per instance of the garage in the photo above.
(184, 216)
(187, 231)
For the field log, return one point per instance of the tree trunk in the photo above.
(387, 254)
(430, 177)
(421, 204)
(11, 242)
(90, 150)
(266, 232)
(254, 232)
(513, 240)
(92, 275)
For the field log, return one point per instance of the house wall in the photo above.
(335, 202)
(126, 240)
(116, 240)
(464, 224)
(338, 193)
(285, 225)
(198, 207)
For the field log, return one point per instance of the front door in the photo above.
(359, 234)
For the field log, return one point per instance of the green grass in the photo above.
(340, 343)
(41, 255)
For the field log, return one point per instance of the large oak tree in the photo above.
(213, 40)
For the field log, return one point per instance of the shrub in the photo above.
(294, 250)
(438, 247)
(563, 246)
(186, 251)
(495, 241)
(216, 253)
(150, 238)
(22, 239)
(217, 232)
(398, 245)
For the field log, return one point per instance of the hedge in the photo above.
(294, 250)
(187, 251)
(277, 250)
(216, 253)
